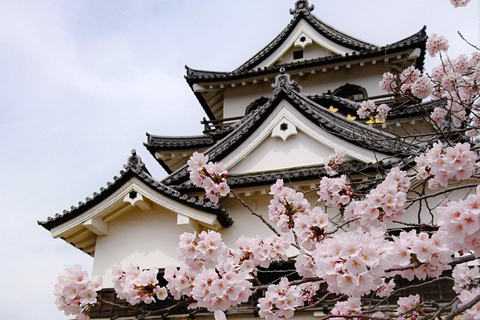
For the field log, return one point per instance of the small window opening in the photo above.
(297, 55)
(351, 92)
(303, 39)
(132, 195)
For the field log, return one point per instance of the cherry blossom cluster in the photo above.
(205, 251)
(280, 301)
(290, 210)
(456, 81)
(351, 307)
(179, 280)
(435, 44)
(461, 222)
(381, 204)
(409, 307)
(309, 290)
(305, 265)
(409, 81)
(210, 176)
(261, 252)
(135, 285)
(333, 161)
(442, 164)
(353, 263)
(335, 191)
(431, 255)
(312, 228)
(220, 290)
(212, 274)
(465, 278)
(367, 108)
(466, 281)
(76, 293)
(285, 205)
(459, 3)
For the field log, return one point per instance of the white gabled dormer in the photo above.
(319, 57)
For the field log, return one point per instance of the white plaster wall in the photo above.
(237, 99)
(312, 51)
(146, 238)
(274, 153)
(303, 28)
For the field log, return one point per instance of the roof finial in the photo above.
(285, 83)
(302, 6)
(135, 163)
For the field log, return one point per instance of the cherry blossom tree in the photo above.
(351, 261)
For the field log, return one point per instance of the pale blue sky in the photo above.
(82, 81)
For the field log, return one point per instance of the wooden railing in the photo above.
(210, 126)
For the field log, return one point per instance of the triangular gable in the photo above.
(307, 40)
(285, 89)
(134, 190)
(288, 139)
(305, 30)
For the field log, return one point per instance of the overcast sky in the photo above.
(83, 81)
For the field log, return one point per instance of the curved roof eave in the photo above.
(255, 179)
(194, 76)
(404, 111)
(320, 26)
(136, 168)
(157, 143)
(331, 122)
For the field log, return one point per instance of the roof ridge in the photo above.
(135, 163)
(327, 120)
(301, 6)
(138, 169)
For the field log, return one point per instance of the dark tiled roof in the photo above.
(194, 76)
(175, 143)
(415, 109)
(303, 10)
(361, 50)
(336, 124)
(293, 174)
(401, 111)
(136, 168)
(160, 143)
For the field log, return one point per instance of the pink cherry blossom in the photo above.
(409, 305)
(333, 161)
(461, 222)
(459, 3)
(382, 203)
(366, 108)
(134, 284)
(382, 112)
(388, 82)
(75, 292)
(350, 307)
(209, 176)
(432, 255)
(280, 301)
(444, 164)
(285, 205)
(422, 87)
(353, 263)
(437, 43)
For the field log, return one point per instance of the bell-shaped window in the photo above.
(351, 92)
